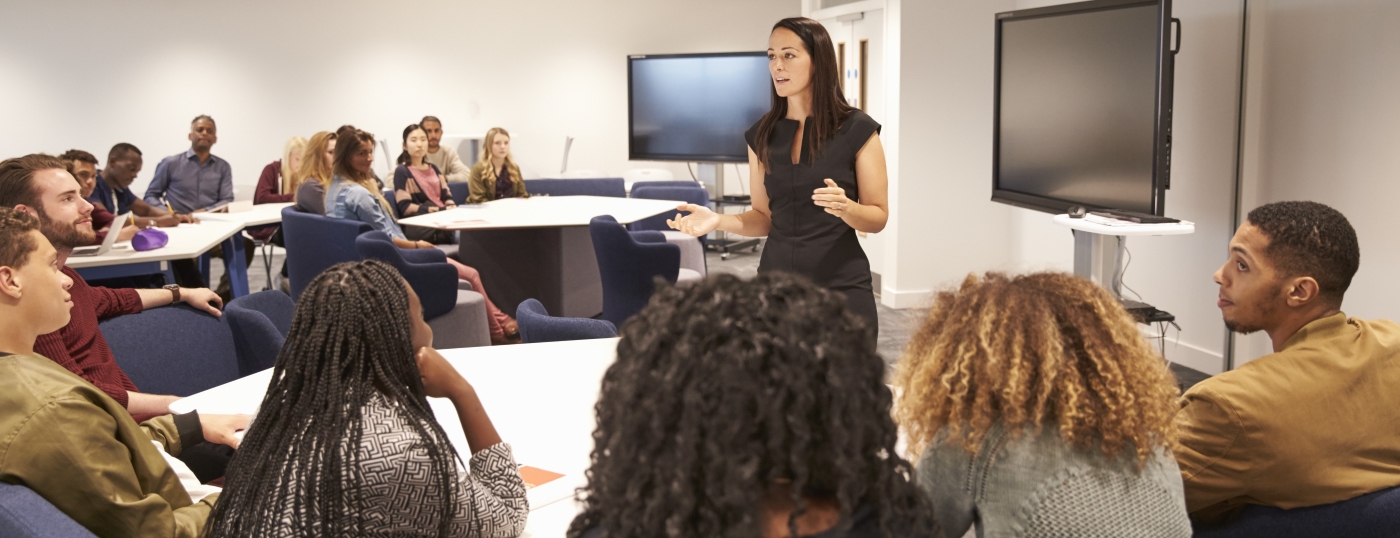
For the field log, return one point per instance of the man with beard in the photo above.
(1316, 421)
(41, 186)
(83, 166)
(443, 157)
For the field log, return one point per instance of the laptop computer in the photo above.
(107, 242)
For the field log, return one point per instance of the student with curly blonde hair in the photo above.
(1039, 409)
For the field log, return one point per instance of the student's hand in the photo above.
(422, 244)
(699, 222)
(188, 219)
(220, 428)
(440, 379)
(168, 221)
(832, 198)
(126, 233)
(202, 298)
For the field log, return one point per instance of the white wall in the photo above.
(1324, 81)
(89, 74)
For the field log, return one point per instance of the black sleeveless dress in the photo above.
(805, 239)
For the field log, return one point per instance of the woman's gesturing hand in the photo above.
(700, 221)
(832, 198)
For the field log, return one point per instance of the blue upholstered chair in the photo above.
(461, 191)
(536, 325)
(1373, 515)
(389, 196)
(597, 186)
(173, 350)
(456, 313)
(315, 243)
(24, 514)
(260, 323)
(628, 262)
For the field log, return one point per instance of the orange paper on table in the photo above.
(535, 476)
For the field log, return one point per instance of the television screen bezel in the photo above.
(632, 154)
(1161, 137)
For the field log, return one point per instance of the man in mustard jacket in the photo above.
(1318, 420)
(62, 437)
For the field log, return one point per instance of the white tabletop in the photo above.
(539, 396)
(186, 241)
(542, 212)
(259, 215)
(1106, 226)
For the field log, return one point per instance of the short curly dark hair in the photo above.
(16, 243)
(724, 386)
(1310, 239)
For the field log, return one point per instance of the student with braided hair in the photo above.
(352, 194)
(344, 442)
(748, 408)
(1040, 410)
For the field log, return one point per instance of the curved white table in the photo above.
(539, 396)
(186, 241)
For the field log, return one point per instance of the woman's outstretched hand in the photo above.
(832, 198)
(700, 221)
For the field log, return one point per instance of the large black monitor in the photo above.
(695, 107)
(1084, 106)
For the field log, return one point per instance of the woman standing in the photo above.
(817, 173)
(495, 176)
(352, 195)
(419, 187)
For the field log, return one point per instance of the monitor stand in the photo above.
(1098, 247)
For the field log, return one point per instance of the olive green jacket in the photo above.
(81, 451)
(483, 188)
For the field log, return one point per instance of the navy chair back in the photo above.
(594, 186)
(628, 263)
(1373, 515)
(536, 325)
(24, 514)
(173, 350)
(429, 274)
(389, 197)
(461, 191)
(315, 243)
(260, 323)
(693, 193)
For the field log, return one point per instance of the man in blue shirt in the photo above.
(195, 180)
(113, 190)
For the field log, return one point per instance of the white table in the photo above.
(257, 216)
(186, 241)
(540, 398)
(538, 247)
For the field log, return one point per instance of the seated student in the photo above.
(348, 415)
(113, 190)
(1040, 410)
(83, 166)
(39, 185)
(352, 195)
(63, 438)
(275, 183)
(495, 176)
(1317, 421)
(748, 408)
(419, 188)
(444, 157)
(314, 174)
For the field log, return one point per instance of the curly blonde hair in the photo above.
(1036, 350)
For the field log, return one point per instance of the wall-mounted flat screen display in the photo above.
(695, 107)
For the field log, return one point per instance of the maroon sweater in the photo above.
(79, 346)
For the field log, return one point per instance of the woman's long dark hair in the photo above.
(348, 142)
(350, 338)
(404, 158)
(725, 387)
(829, 106)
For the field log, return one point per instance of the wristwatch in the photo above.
(174, 292)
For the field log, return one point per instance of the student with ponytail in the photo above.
(420, 188)
(345, 443)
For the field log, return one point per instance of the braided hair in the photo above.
(725, 387)
(297, 470)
